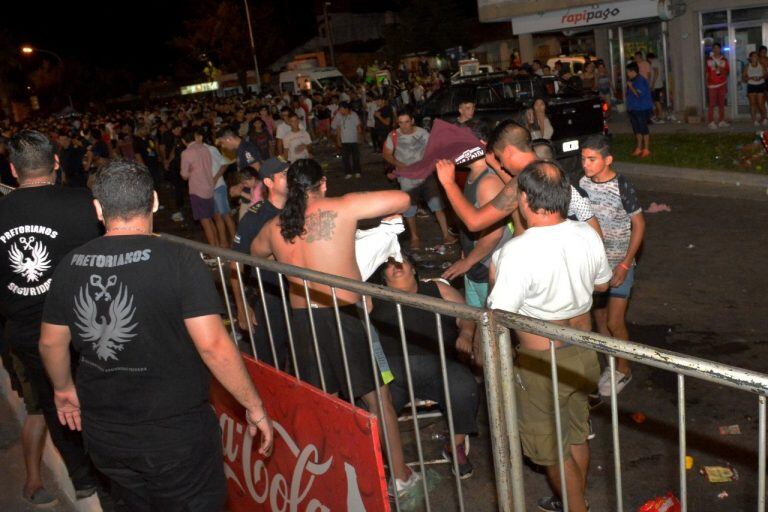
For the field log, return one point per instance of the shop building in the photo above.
(679, 32)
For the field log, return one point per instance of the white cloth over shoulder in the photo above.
(373, 247)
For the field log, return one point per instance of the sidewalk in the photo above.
(619, 123)
(11, 460)
(738, 179)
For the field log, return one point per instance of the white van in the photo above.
(313, 79)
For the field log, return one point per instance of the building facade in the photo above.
(679, 32)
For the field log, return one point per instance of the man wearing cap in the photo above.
(481, 187)
(349, 132)
(273, 174)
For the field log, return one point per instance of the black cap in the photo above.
(273, 166)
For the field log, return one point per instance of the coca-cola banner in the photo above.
(326, 457)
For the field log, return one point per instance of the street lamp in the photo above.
(329, 32)
(30, 50)
(253, 49)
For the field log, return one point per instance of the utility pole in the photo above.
(329, 33)
(253, 48)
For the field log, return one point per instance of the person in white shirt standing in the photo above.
(349, 132)
(297, 142)
(225, 226)
(550, 272)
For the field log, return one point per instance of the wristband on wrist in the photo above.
(624, 266)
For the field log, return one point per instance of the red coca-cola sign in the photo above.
(326, 457)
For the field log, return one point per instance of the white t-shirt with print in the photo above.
(550, 272)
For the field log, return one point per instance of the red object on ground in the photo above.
(326, 454)
(668, 503)
(639, 417)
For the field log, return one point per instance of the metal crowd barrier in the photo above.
(681, 365)
(435, 306)
(499, 374)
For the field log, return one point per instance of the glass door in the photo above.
(747, 38)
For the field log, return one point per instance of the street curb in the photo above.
(700, 175)
(51, 458)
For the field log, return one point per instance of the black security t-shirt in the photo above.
(140, 380)
(38, 226)
(248, 229)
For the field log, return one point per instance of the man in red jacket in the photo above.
(717, 85)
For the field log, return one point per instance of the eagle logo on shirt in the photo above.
(106, 333)
(33, 266)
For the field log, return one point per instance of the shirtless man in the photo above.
(550, 273)
(318, 233)
(508, 147)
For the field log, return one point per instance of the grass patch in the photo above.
(722, 152)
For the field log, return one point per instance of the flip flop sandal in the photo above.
(41, 498)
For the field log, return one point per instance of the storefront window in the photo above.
(714, 18)
(754, 14)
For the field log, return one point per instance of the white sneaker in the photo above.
(723, 124)
(756, 123)
(177, 217)
(347, 176)
(403, 487)
(604, 384)
(712, 125)
(358, 175)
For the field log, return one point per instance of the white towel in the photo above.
(373, 247)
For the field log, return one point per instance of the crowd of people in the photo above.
(81, 274)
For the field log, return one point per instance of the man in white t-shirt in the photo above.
(296, 142)
(282, 128)
(549, 273)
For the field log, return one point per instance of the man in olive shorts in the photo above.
(550, 272)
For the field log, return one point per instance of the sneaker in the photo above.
(404, 487)
(553, 504)
(723, 124)
(85, 492)
(358, 175)
(347, 176)
(177, 217)
(637, 152)
(591, 435)
(712, 125)
(756, 123)
(465, 466)
(41, 498)
(645, 153)
(604, 384)
(765, 122)
(659, 120)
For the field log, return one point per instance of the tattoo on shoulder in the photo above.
(506, 200)
(320, 225)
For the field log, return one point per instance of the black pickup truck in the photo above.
(573, 113)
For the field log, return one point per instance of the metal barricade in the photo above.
(225, 260)
(680, 364)
(499, 374)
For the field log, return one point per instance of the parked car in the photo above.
(573, 113)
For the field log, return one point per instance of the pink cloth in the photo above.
(446, 141)
(196, 166)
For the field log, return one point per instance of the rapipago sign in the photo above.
(580, 17)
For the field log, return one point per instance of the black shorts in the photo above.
(331, 359)
(639, 120)
(756, 89)
(658, 94)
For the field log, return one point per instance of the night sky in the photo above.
(129, 35)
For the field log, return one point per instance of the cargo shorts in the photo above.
(578, 371)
